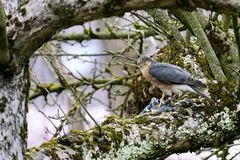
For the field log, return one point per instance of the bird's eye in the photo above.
(142, 60)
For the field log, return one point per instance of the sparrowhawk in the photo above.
(170, 78)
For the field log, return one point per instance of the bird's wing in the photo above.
(171, 74)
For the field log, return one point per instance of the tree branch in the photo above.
(192, 22)
(58, 88)
(103, 35)
(29, 29)
(236, 32)
(143, 137)
(174, 36)
(4, 52)
(225, 48)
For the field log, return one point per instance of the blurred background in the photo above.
(83, 61)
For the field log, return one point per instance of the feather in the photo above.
(172, 74)
(203, 94)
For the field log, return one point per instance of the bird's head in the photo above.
(143, 60)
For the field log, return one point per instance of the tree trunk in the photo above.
(13, 126)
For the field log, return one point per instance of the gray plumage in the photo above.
(170, 75)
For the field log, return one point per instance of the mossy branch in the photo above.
(163, 21)
(191, 20)
(203, 20)
(226, 22)
(4, 51)
(227, 52)
(104, 35)
(143, 137)
(58, 88)
(236, 31)
(223, 46)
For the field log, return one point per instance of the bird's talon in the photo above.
(168, 101)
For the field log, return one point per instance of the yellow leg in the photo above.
(162, 100)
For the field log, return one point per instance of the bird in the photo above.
(170, 78)
(153, 103)
(153, 107)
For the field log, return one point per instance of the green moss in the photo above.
(163, 54)
(75, 139)
(50, 143)
(23, 132)
(51, 152)
(65, 141)
(204, 65)
(158, 120)
(90, 33)
(79, 137)
(179, 122)
(50, 148)
(141, 120)
(104, 144)
(138, 26)
(43, 89)
(77, 156)
(30, 152)
(223, 94)
(178, 60)
(77, 132)
(105, 141)
(116, 135)
(110, 120)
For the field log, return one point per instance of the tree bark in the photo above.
(143, 137)
(13, 126)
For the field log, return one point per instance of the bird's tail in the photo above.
(196, 89)
(195, 83)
